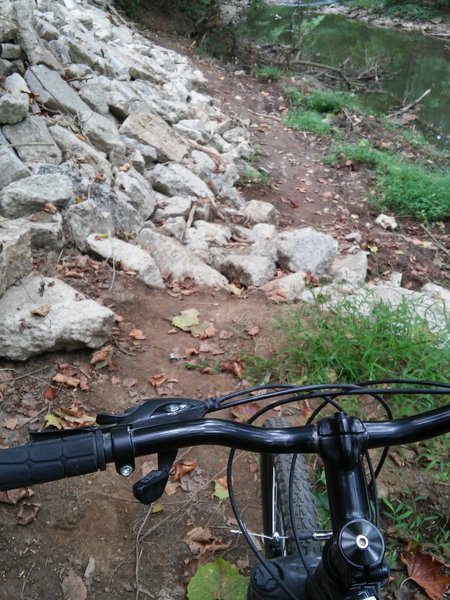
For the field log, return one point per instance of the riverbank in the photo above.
(438, 27)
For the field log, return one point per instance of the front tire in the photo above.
(275, 472)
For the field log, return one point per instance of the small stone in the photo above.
(386, 222)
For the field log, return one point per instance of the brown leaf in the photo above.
(102, 357)
(225, 335)
(427, 572)
(49, 207)
(66, 380)
(170, 488)
(50, 393)
(73, 274)
(73, 587)
(41, 311)
(252, 331)
(157, 380)
(183, 467)
(243, 412)
(137, 334)
(235, 366)
(14, 496)
(209, 332)
(27, 513)
(10, 423)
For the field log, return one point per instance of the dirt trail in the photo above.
(96, 517)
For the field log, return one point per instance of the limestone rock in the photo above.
(150, 129)
(262, 212)
(15, 252)
(248, 270)
(74, 148)
(46, 231)
(11, 167)
(28, 38)
(438, 292)
(72, 320)
(177, 261)
(100, 131)
(33, 142)
(130, 257)
(27, 195)
(83, 219)
(285, 289)
(351, 268)
(306, 250)
(135, 189)
(41, 79)
(13, 108)
(176, 180)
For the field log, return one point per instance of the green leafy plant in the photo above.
(267, 73)
(405, 187)
(309, 121)
(354, 342)
(252, 175)
(218, 580)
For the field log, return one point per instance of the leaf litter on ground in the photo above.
(427, 572)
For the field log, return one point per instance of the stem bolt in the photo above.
(362, 542)
(126, 470)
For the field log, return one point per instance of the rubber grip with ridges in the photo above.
(51, 459)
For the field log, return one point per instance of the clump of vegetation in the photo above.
(322, 101)
(252, 175)
(309, 121)
(405, 187)
(267, 73)
(313, 111)
(353, 342)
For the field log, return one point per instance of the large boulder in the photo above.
(175, 260)
(129, 256)
(40, 314)
(15, 252)
(306, 250)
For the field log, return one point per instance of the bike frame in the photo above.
(345, 570)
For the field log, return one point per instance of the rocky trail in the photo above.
(125, 199)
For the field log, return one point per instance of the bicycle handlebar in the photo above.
(85, 452)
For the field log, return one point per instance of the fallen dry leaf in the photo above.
(50, 393)
(66, 380)
(225, 335)
(221, 488)
(49, 207)
(101, 358)
(235, 366)
(183, 467)
(252, 331)
(209, 332)
(14, 496)
(157, 380)
(27, 513)
(137, 334)
(170, 489)
(10, 423)
(427, 572)
(73, 587)
(244, 412)
(41, 311)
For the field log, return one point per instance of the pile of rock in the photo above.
(104, 137)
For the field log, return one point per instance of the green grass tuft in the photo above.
(405, 187)
(309, 121)
(267, 73)
(353, 343)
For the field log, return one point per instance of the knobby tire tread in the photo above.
(303, 499)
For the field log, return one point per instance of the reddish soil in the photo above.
(96, 516)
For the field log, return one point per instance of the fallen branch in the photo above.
(437, 242)
(307, 63)
(411, 105)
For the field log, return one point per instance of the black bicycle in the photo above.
(301, 561)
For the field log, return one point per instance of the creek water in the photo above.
(409, 63)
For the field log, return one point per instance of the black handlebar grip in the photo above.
(51, 459)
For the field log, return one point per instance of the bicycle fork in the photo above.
(352, 565)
